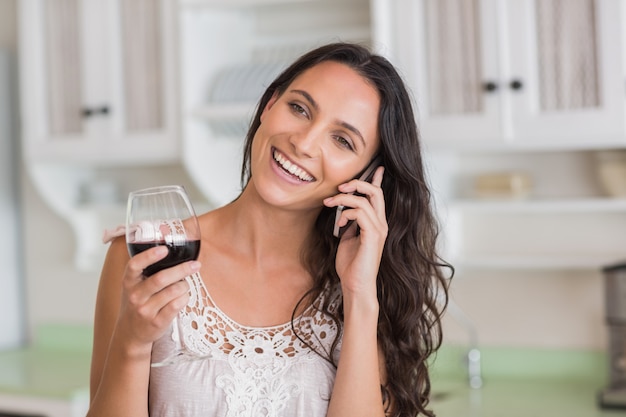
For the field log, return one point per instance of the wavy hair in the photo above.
(412, 284)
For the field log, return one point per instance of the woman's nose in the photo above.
(306, 143)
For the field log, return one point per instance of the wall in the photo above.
(525, 308)
(538, 309)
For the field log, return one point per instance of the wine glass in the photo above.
(164, 216)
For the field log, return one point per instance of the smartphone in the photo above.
(367, 175)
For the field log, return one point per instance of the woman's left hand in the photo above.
(358, 255)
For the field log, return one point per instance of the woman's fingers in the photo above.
(163, 293)
(364, 202)
(366, 218)
(377, 179)
(162, 279)
(139, 262)
(372, 191)
(161, 308)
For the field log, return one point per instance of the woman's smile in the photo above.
(293, 171)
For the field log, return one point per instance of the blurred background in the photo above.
(520, 105)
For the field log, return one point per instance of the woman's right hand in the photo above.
(149, 304)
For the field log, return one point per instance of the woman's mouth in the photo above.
(291, 168)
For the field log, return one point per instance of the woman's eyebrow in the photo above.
(308, 98)
(314, 104)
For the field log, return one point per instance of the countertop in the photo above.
(54, 368)
(521, 382)
(519, 398)
(516, 382)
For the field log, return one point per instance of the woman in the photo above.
(297, 321)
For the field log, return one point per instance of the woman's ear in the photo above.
(269, 104)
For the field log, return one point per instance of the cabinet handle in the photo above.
(490, 86)
(516, 85)
(94, 111)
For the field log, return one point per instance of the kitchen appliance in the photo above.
(614, 395)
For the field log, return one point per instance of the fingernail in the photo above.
(195, 265)
(161, 250)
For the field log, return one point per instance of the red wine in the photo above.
(187, 251)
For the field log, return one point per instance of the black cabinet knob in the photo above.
(516, 85)
(94, 111)
(490, 86)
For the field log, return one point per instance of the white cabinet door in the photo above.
(98, 80)
(488, 72)
(450, 55)
(566, 58)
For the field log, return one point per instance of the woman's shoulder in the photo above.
(211, 216)
(116, 258)
(215, 222)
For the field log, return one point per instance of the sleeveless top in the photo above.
(251, 371)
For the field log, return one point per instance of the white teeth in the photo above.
(292, 168)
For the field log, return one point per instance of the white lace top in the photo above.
(252, 372)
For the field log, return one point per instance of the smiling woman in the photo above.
(274, 295)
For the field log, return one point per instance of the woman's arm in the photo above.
(360, 371)
(131, 312)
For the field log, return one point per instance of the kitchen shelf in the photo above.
(466, 147)
(569, 205)
(312, 38)
(218, 112)
(238, 3)
(538, 262)
(226, 120)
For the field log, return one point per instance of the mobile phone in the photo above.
(367, 175)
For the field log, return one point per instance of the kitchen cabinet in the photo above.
(98, 91)
(567, 222)
(513, 73)
(516, 87)
(98, 80)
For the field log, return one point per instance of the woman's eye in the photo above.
(344, 142)
(298, 109)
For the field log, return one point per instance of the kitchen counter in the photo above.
(53, 374)
(519, 398)
(49, 378)
(521, 383)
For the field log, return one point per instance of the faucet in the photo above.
(472, 358)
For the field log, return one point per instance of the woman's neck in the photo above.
(263, 232)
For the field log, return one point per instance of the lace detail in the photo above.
(258, 357)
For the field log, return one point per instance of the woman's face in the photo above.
(321, 132)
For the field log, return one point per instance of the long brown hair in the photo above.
(412, 285)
